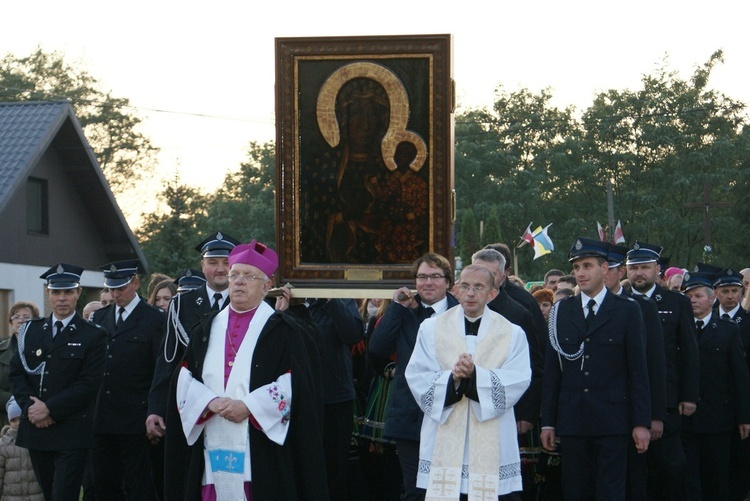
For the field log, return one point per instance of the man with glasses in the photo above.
(469, 367)
(397, 333)
(249, 399)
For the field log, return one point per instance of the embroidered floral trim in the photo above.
(428, 399)
(281, 403)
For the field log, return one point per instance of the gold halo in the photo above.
(399, 111)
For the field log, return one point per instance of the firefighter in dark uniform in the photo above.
(596, 395)
(185, 310)
(724, 405)
(121, 463)
(666, 459)
(729, 292)
(55, 375)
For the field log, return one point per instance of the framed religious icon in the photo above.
(364, 160)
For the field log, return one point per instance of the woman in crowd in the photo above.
(20, 313)
(545, 298)
(162, 293)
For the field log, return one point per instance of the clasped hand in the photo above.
(232, 410)
(464, 367)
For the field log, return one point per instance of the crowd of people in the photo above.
(620, 379)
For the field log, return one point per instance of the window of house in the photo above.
(37, 210)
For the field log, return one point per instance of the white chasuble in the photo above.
(469, 447)
(226, 444)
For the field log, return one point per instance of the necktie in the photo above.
(590, 315)
(58, 328)
(426, 312)
(217, 301)
(119, 317)
(699, 327)
(725, 316)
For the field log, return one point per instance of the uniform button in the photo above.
(585, 390)
(587, 340)
(586, 373)
(49, 356)
(109, 356)
(107, 392)
(587, 357)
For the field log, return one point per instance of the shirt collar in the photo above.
(65, 321)
(439, 307)
(598, 298)
(128, 307)
(730, 313)
(706, 319)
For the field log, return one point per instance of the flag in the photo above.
(542, 243)
(527, 236)
(619, 237)
(602, 233)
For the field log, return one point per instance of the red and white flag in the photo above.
(527, 236)
(619, 237)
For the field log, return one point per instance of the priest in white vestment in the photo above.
(469, 367)
(246, 396)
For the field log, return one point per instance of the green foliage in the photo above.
(469, 235)
(125, 155)
(658, 145)
(243, 207)
(491, 233)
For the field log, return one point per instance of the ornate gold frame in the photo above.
(415, 73)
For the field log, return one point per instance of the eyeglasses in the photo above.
(233, 277)
(474, 288)
(434, 277)
(22, 318)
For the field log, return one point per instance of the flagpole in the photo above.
(611, 210)
(515, 261)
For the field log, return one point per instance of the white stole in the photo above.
(226, 444)
(493, 341)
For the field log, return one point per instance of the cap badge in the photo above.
(636, 246)
(219, 236)
(686, 277)
(60, 269)
(113, 268)
(730, 273)
(188, 273)
(579, 245)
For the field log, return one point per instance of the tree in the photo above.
(125, 155)
(491, 233)
(657, 146)
(168, 238)
(243, 207)
(469, 235)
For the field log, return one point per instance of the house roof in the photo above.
(27, 131)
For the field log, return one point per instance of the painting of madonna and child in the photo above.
(370, 177)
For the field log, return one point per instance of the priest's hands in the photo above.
(233, 410)
(464, 367)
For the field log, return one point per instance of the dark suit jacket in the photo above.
(742, 319)
(397, 333)
(724, 380)
(657, 369)
(75, 364)
(528, 301)
(528, 407)
(605, 392)
(680, 347)
(131, 358)
(190, 307)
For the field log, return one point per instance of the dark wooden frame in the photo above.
(303, 67)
